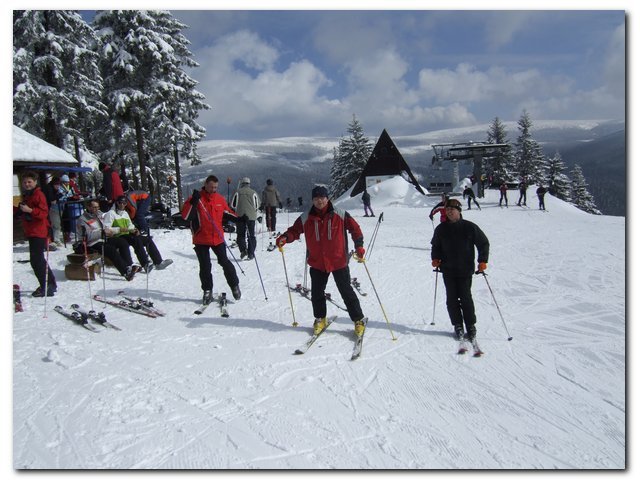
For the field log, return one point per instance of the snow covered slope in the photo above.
(205, 392)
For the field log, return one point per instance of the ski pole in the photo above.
(509, 337)
(86, 263)
(374, 236)
(46, 279)
(260, 276)
(433, 319)
(104, 285)
(284, 264)
(362, 261)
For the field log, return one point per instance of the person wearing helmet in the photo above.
(453, 252)
(245, 202)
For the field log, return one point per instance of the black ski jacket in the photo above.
(455, 243)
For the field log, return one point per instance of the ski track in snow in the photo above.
(205, 392)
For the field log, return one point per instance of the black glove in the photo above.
(261, 208)
(245, 218)
(195, 197)
(280, 205)
(259, 219)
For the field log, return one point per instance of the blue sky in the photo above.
(304, 73)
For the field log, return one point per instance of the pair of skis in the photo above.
(134, 305)
(357, 346)
(81, 317)
(220, 300)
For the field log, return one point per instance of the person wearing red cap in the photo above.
(453, 252)
(325, 228)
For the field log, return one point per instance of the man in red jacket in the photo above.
(35, 220)
(111, 183)
(205, 209)
(325, 228)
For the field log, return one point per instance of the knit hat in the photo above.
(64, 178)
(245, 180)
(269, 181)
(454, 203)
(319, 191)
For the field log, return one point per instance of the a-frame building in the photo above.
(385, 160)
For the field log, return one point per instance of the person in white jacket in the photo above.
(245, 202)
(118, 226)
(90, 228)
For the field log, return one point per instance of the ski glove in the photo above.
(195, 197)
(482, 266)
(360, 253)
(281, 240)
(435, 263)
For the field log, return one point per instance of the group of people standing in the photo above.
(325, 228)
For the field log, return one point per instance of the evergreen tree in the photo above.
(558, 183)
(57, 85)
(152, 102)
(529, 159)
(581, 197)
(349, 159)
(500, 167)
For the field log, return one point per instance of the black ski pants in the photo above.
(342, 278)
(204, 259)
(113, 254)
(247, 234)
(37, 247)
(460, 302)
(271, 217)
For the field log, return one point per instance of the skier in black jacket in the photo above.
(453, 252)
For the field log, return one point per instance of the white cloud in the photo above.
(469, 84)
(243, 85)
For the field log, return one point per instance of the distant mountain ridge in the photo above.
(297, 163)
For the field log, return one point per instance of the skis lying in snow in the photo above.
(76, 318)
(303, 349)
(143, 304)
(96, 317)
(463, 347)
(356, 284)
(220, 300)
(126, 305)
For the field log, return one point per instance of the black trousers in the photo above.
(152, 248)
(204, 259)
(270, 213)
(112, 253)
(342, 278)
(247, 234)
(460, 302)
(37, 247)
(121, 246)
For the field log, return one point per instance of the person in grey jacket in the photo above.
(245, 203)
(453, 252)
(270, 201)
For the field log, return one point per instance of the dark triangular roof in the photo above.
(385, 159)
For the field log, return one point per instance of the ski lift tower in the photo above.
(476, 151)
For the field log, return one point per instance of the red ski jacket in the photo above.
(36, 223)
(326, 237)
(210, 208)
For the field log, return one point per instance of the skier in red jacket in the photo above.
(325, 228)
(35, 220)
(205, 209)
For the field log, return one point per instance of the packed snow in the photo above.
(204, 392)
